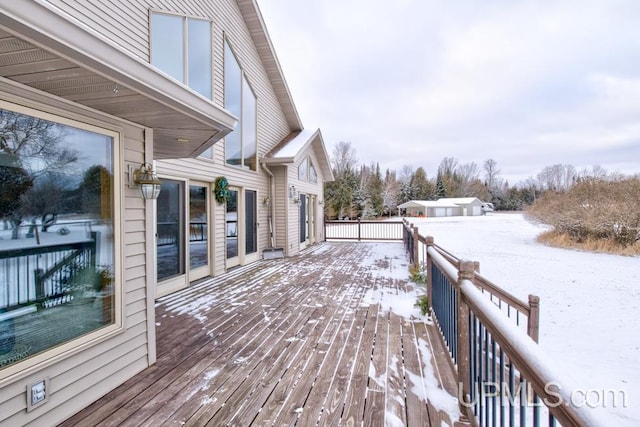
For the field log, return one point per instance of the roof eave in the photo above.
(47, 27)
(258, 30)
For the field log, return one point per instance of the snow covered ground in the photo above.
(589, 320)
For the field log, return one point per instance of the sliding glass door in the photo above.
(170, 230)
(241, 226)
(198, 231)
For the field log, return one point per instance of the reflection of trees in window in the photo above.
(36, 142)
(31, 148)
(96, 191)
(198, 203)
(14, 182)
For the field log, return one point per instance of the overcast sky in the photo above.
(527, 83)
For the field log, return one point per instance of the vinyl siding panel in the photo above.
(272, 125)
(126, 23)
(81, 376)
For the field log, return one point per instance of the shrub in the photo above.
(417, 274)
(423, 304)
(593, 210)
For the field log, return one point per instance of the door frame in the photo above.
(242, 257)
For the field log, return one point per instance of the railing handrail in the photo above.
(529, 358)
(363, 230)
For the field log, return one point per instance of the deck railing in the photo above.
(363, 230)
(504, 377)
(41, 273)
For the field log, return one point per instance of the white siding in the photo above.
(272, 125)
(82, 377)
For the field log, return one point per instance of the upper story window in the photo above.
(181, 47)
(241, 145)
(307, 172)
(58, 242)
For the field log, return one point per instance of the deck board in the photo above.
(301, 341)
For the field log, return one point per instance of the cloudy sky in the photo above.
(528, 83)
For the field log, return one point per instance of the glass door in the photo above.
(170, 245)
(198, 231)
(232, 228)
(251, 225)
(304, 221)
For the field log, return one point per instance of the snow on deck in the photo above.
(328, 337)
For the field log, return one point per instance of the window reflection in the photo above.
(241, 145)
(198, 234)
(56, 234)
(170, 241)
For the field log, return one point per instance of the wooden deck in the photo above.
(318, 339)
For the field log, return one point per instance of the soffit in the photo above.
(42, 49)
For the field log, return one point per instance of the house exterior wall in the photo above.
(315, 190)
(127, 23)
(271, 124)
(82, 374)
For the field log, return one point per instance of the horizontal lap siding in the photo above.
(81, 378)
(272, 126)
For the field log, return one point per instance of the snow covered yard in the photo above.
(589, 320)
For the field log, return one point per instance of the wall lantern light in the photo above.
(146, 180)
(293, 194)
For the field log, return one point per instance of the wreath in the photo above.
(221, 191)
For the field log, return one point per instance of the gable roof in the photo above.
(295, 145)
(258, 30)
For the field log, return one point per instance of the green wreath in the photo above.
(221, 191)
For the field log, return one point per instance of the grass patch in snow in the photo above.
(563, 240)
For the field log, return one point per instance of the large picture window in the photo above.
(181, 47)
(241, 145)
(57, 248)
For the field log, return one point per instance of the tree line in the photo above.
(365, 191)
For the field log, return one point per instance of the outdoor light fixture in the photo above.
(147, 181)
(293, 194)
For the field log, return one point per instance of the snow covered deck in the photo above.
(328, 337)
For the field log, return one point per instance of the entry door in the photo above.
(242, 227)
(304, 221)
(232, 228)
(199, 248)
(170, 237)
(251, 226)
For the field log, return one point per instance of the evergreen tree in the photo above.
(441, 190)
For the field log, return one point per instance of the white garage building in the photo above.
(462, 206)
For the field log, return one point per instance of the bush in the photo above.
(417, 274)
(423, 304)
(593, 210)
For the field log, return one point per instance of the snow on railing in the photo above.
(524, 314)
(504, 377)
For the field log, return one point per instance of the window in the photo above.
(181, 47)
(307, 172)
(313, 176)
(303, 170)
(57, 242)
(241, 145)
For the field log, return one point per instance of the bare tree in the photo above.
(36, 142)
(557, 178)
(344, 158)
(491, 173)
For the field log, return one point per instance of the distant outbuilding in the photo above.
(453, 206)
